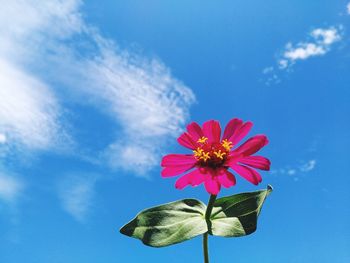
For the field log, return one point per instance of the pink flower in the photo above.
(212, 156)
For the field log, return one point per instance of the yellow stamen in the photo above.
(202, 139)
(198, 152)
(226, 144)
(205, 156)
(219, 154)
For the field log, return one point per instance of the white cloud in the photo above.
(296, 170)
(348, 8)
(326, 36)
(35, 25)
(144, 98)
(76, 193)
(134, 158)
(30, 115)
(52, 43)
(321, 41)
(28, 109)
(291, 171)
(267, 70)
(308, 166)
(304, 51)
(270, 76)
(10, 187)
(2, 138)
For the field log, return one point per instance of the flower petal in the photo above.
(252, 145)
(187, 141)
(195, 131)
(212, 185)
(231, 127)
(178, 160)
(183, 181)
(197, 177)
(227, 179)
(232, 160)
(240, 133)
(193, 178)
(176, 170)
(248, 173)
(258, 162)
(212, 131)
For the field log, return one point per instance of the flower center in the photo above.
(212, 154)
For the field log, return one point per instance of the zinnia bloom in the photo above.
(212, 156)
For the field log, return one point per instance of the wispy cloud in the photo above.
(28, 110)
(11, 187)
(301, 52)
(140, 94)
(12, 190)
(53, 46)
(30, 114)
(2, 138)
(320, 42)
(76, 193)
(348, 8)
(296, 170)
(145, 99)
(271, 76)
(308, 166)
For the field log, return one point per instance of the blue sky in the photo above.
(93, 94)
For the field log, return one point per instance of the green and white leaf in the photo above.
(237, 215)
(178, 221)
(168, 224)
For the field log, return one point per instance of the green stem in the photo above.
(205, 248)
(205, 235)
